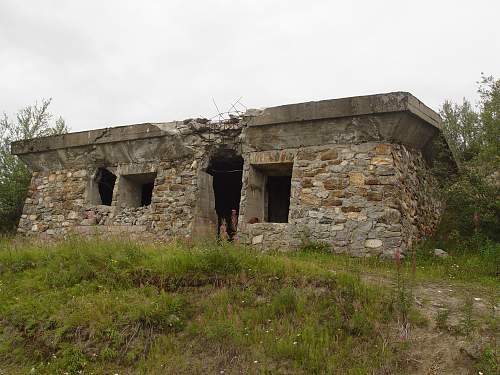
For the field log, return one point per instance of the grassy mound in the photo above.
(94, 306)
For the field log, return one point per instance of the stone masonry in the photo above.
(352, 174)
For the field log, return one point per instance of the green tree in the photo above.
(30, 122)
(473, 134)
(461, 129)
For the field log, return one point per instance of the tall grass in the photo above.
(93, 306)
(476, 262)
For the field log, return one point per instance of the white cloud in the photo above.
(119, 62)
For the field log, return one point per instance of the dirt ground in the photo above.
(448, 349)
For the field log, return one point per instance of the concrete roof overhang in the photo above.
(393, 117)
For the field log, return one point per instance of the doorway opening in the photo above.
(226, 168)
(105, 184)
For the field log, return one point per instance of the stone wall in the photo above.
(57, 202)
(54, 202)
(60, 200)
(418, 197)
(364, 199)
(359, 182)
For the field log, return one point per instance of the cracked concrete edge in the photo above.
(347, 107)
(291, 113)
(97, 136)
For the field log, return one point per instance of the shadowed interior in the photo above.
(226, 167)
(278, 198)
(106, 184)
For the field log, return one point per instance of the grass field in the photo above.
(91, 306)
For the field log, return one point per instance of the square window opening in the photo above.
(278, 198)
(268, 193)
(136, 190)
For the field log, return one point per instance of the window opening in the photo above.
(136, 190)
(146, 193)
(278, 198)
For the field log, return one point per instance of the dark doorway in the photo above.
(226, 167)
(278, 198)
(106, 184)
(146, 193)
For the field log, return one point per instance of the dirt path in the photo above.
(449, 349)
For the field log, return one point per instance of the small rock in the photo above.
(440, 253)
(381, 160)
(325, 220)
(391, 216)
(329, 155)
(473, 350)
(257, 239)
(373, 243)
(356, 179)
(89, 221)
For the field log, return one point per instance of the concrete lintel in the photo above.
(346, 107)
(271, 157)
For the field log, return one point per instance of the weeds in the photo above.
(488, 361)
(442, 319)
(402, 299)
(116, 306)
(95, 305)
(467, 322)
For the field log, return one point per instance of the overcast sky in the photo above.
(108, 63)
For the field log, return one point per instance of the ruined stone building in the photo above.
(351, 173)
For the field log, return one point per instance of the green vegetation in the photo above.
(30, 122)
(465, 265)
(94, 306)
(472, 194)
(113, 306)
(106, 306)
